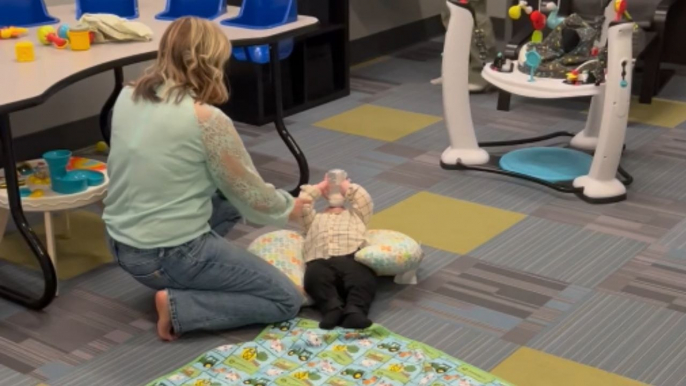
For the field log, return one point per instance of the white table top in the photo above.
(518, 83)
(53, 68)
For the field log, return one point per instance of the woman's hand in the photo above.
(298, 205)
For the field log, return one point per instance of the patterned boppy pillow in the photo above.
(283, 250)
(388, 253)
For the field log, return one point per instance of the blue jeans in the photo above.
(212, 284)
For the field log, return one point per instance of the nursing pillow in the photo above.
(388, 253)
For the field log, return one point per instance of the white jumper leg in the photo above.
(601, 182)
(464, 147)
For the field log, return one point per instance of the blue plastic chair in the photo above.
(207, 9)
(127, 9)
(24, 13)
(264, 14)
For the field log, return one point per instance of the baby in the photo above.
(341, 288)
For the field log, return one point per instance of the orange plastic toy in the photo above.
(47, 35)
(12, 32)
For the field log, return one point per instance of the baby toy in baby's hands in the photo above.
(341, 288)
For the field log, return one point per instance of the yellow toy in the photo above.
(515, 12)
(37, 193)
(80, 38)
(12, 32)
(24, 52)
(102, 147)
(47, 35)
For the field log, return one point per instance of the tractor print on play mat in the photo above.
(302, 354)
(307, 356)
(390, 347)
(398, 371)
(353, 373)
(250, 360)
(256, 382)
(208, 361)
(341, 354)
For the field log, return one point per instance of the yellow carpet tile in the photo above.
(446, 223)
(85, 249)
(376, 122)
(528, 367)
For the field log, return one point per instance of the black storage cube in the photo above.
(320, 80)
(316, 72)
(317, 8)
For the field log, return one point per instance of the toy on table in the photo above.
(40, 176)
(63, 31)
(80, 163)
(107, 28)
(80, 38)
(24, 52)
(25, 169)
(12, 32)
(29, 193)
(66, 181)
(499, 64)
(533, 60)
(47, 35)
(578, 77)
(102, 147)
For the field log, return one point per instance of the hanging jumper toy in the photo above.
(538, 19)
(553, 19)
(620, 10)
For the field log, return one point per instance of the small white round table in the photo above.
(52, 202)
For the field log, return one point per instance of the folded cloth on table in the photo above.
(112, 28)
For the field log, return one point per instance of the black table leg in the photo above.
(109, 104)
(10, 166)
(278, 119)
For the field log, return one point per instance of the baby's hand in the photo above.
(345, 185)
(323, 186)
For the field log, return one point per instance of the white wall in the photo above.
(368, 17)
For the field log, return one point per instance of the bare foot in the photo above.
(164, 325)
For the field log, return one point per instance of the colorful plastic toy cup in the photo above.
(80, 38)
(57, 161)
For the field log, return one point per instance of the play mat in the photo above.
(298, 353)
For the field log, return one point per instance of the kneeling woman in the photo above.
(170, 152)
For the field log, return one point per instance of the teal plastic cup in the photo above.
(57, 161)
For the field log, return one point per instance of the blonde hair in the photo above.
(191, 59)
